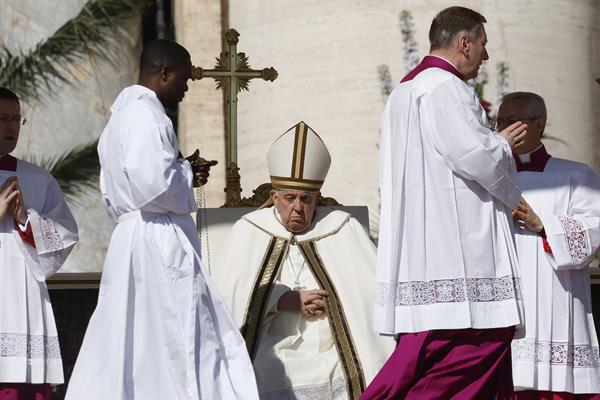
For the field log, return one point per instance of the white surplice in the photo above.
(29, 348)
(446, 257)
(160, 329)
(297, 357)
(559, 352)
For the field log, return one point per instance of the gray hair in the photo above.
(537, 106)
(451, 22)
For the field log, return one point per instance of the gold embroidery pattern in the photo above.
(299, 151)
(259, 297)
(355, 379)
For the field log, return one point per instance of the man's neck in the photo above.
(451, 58)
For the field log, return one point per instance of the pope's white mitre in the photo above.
(298, 159)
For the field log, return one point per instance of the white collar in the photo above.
(526, 157)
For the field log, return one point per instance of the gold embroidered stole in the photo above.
(259, 297)
(344, 344)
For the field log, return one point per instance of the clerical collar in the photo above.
(534, 160)
(8, 163)
(433, 62)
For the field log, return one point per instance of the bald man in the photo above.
(160, 330)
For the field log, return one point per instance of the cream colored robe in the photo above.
(296, 357)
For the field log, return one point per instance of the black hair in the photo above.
(7, 94)
(160, 53)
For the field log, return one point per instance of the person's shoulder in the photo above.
(139, 105)
(32, 169)
(573, 168)
(433, 78)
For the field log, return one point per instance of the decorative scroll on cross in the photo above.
(232, 74)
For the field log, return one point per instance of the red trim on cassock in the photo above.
(27, 236)
(547, 247)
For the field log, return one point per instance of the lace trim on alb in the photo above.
(53, 243)
(556, 353)
(447, 291)
(29, 346)
(334, 390)
(576, 240)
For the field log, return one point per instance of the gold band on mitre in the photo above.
(280, 182)
(298, 160)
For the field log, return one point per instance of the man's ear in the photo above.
(464, 44)
(542, 125)
(165, 72)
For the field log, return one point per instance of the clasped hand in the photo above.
(11, 201)
(309, 303)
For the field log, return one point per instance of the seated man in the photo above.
(37, 233)
(558, 233)
(297, 279)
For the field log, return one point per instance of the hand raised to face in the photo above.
(514, 134)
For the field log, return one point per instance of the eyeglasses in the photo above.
(499, 123)
(4, 120)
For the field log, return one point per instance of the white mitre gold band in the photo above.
(298, 159)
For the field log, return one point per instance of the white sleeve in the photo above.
(575, 238)
(158, 179)
(54, 231)
(467, 145)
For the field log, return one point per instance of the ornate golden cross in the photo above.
(233, 74)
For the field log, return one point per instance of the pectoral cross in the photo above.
(233, 74)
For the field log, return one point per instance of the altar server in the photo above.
(446, 268)
(557, 237)
(160, 329)
(37, 233)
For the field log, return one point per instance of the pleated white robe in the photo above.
(446, 256)
(29, 347)
(559, 352)
(160, 329)
(298, 358)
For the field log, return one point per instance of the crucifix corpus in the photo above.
(233, 74)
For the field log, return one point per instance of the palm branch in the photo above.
(75, 170)
(48, 62)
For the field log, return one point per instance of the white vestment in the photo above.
(297, 357)
(29, 349)
(160, 329)
(446, 257)
(559, 352)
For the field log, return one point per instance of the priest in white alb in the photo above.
(446, 267)
(295, 276)
(160, 329)
(37, 233)
(557, 237)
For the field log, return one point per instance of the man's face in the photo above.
(10, 125)
(512, 111)
(475, 54)
(175, 85)
(296, 208)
